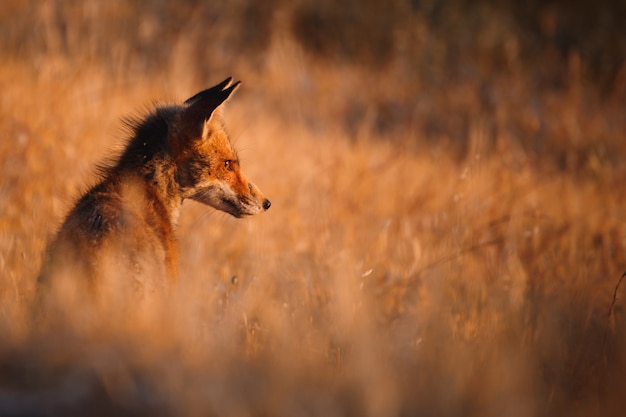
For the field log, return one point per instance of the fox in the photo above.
(123, 228)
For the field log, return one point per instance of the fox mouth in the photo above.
(235, 205)
(244, 207)
(233, 208)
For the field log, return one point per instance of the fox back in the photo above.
(121, 232)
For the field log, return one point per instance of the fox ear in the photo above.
(201, 107)
(209, 91)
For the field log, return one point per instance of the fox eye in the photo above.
(227, 165)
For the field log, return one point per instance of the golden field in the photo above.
(445, 237)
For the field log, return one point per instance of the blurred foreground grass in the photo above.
(445, 237)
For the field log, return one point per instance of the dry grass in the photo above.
(396, 273)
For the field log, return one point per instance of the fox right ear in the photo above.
(202, 106)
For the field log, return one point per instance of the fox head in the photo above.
(207, 166)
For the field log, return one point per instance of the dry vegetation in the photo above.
(447, 227)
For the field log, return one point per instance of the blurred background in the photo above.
(437, 59)
(428, 67)
(446, 235)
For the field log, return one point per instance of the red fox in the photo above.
(123, 227)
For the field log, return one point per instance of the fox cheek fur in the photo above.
(217, 181)
(238, 198)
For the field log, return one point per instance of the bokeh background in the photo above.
(447, 231)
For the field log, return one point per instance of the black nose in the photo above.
(266, 204)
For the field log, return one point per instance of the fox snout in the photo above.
(254, 191)
(238, 200)
(248, 204)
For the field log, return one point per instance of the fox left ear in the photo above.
(202, 106)
(216, 89)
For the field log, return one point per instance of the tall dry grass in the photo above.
(432, 249)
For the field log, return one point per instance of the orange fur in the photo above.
(121, 231)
